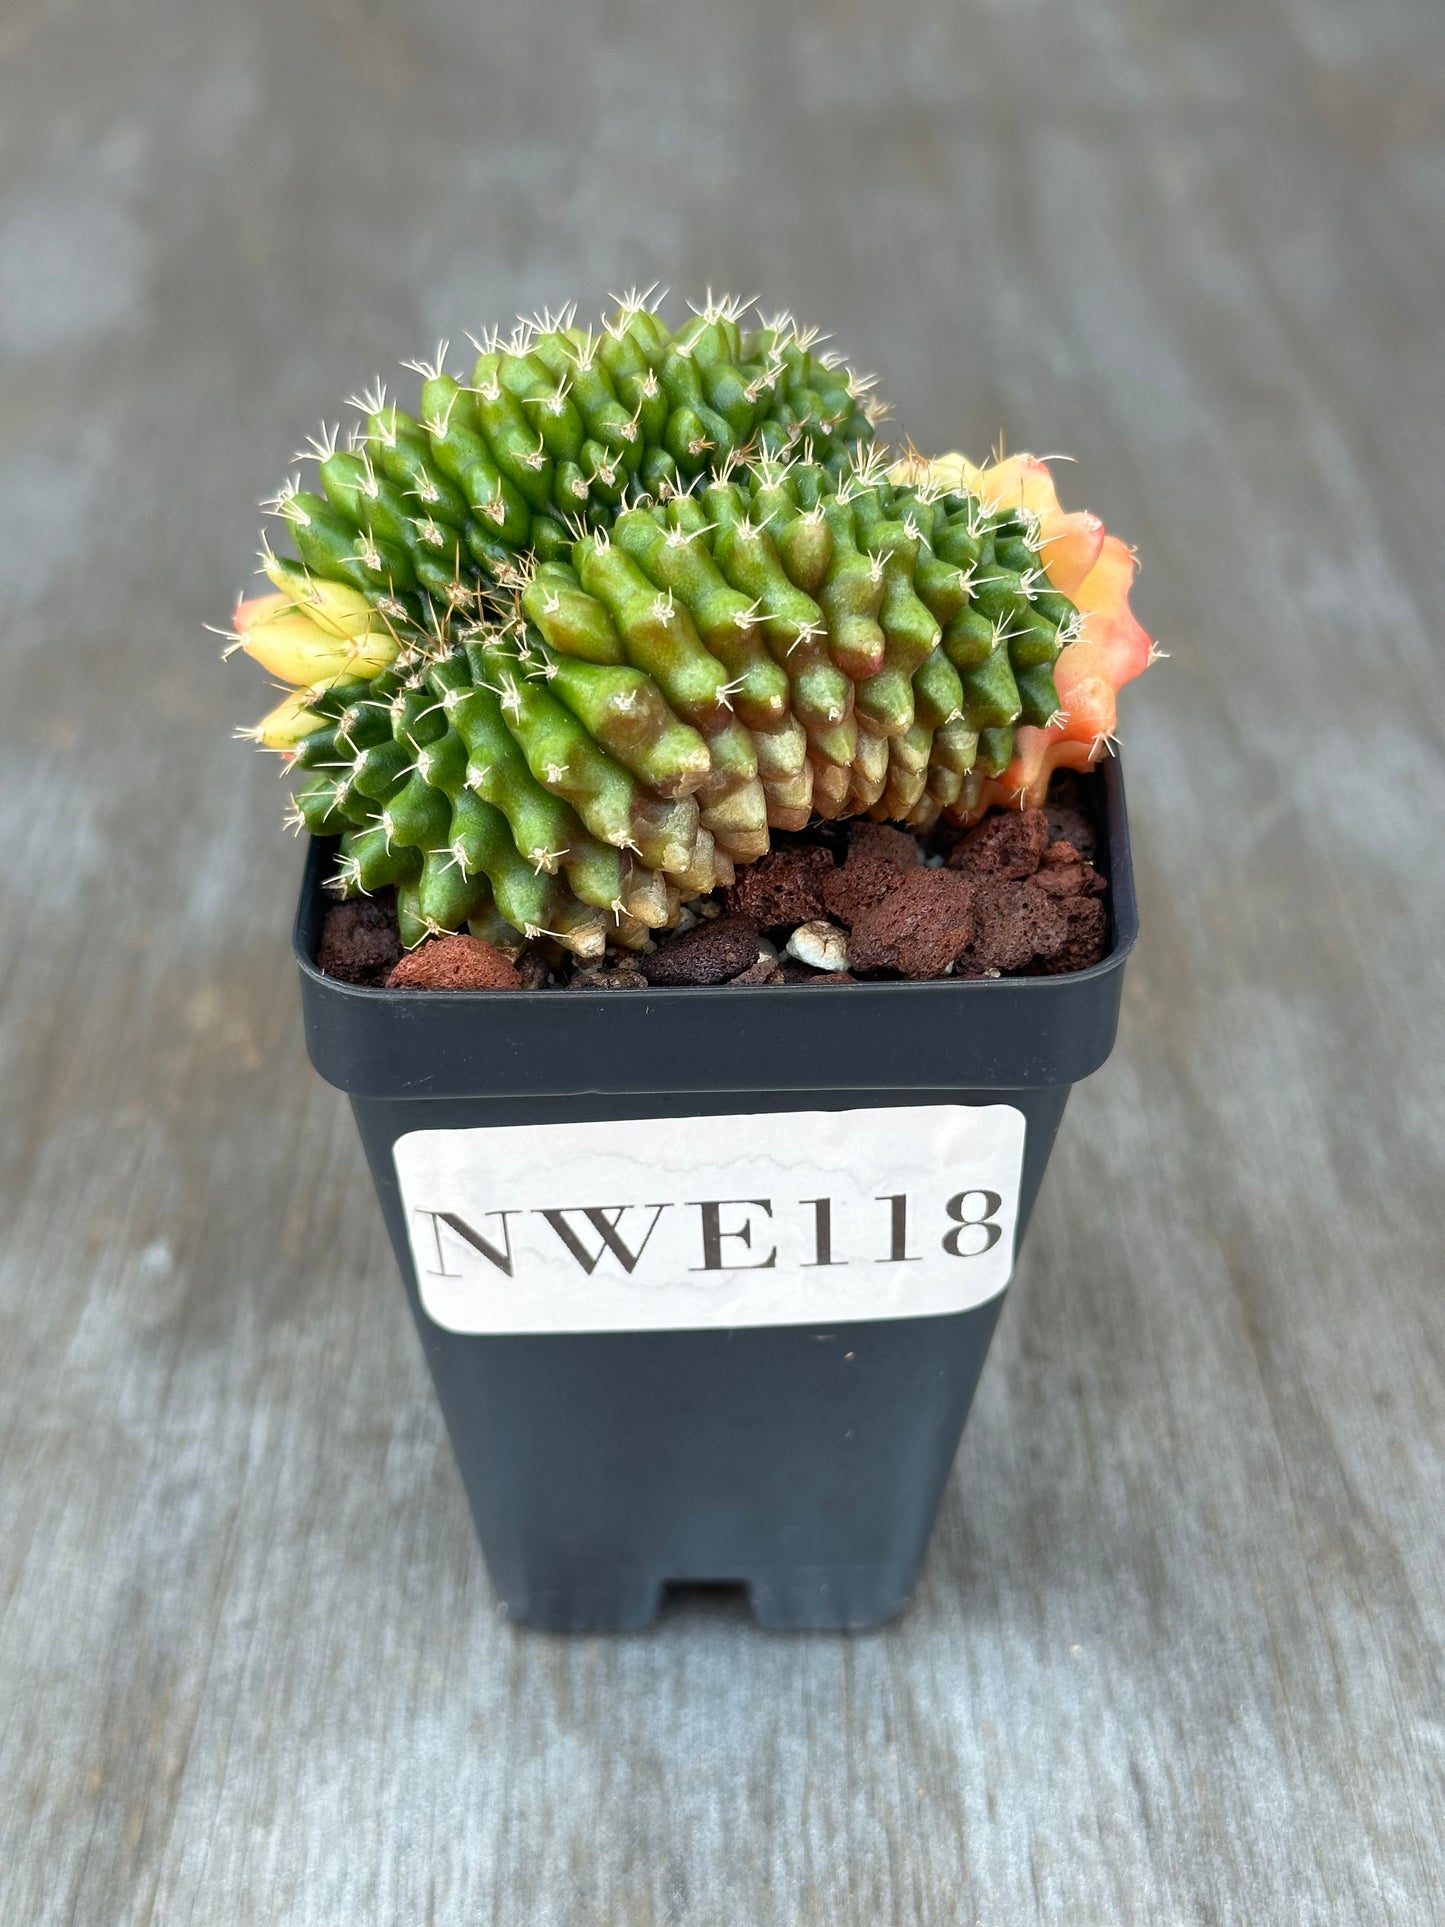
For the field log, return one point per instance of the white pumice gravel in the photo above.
(823, 946)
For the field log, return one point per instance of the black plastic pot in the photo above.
(803, 1460)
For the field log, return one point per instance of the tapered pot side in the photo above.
(804, 1460)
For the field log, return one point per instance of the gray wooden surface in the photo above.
(1177, 1656)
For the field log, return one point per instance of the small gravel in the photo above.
(822, 946)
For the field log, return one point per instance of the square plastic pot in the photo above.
(803, 1461)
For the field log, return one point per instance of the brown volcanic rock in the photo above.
(454, 963)
(878, 855)
(783, 887)
(919, 926)
(1063, 874)
(709, 953)
(766, 970)
(359, 941)
(1046, 918)
(1010, 843)
(1070, 825)
(1086, 937)
(1014, 924)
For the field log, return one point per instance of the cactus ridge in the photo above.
(595, 623)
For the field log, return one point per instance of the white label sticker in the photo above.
(673, 1224)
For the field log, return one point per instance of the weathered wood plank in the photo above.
(1177, 1656)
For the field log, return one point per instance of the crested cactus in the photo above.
(565, 645)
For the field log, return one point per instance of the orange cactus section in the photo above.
(1095, 570)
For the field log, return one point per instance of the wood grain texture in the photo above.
(1177, 1656)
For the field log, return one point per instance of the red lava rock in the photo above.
(1086, 937)
(1069, 825)
(793, 972)
(454, 963)
(878, 854)
(709, 953)
(1047, 920)
(359, 941)
(785, 886)
(919, 927)
(766, 970)
(1065, 882)
(1065, 876)
(1014, 923)
(1010, 843)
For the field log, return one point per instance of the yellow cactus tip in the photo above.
(285, 725)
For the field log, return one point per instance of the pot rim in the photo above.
(888, 1036)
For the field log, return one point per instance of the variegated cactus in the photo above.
(1095, 570)
(563, 648)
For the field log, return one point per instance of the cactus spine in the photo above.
(566, 644)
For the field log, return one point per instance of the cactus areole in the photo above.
(564, 644)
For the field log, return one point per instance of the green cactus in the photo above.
(607, 614)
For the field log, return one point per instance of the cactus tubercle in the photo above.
(567, 644)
